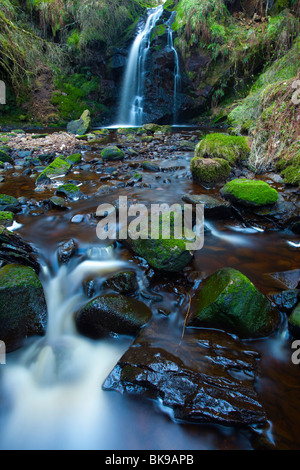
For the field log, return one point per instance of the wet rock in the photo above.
(206, 377)
(66, 251)
(231, 302)
(5, 157)
(149, 166)
(9, 203)
(287, 300)
(112, 313)
(6, 218)
(56, 202)
(294, 322)
(112, 153)
(290, 279)
(74, 159)
(213, 207)
(70, 191)
(283, 213)
(14, 250)
(23, 310)
(249, 193)
(82, 125)
(210, 170)
(57, 168)
(125, 283)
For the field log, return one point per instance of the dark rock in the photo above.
(124, 283)
(112, 313)
(287, 300)
(294, 322)
(207, 376)
(14, 250)
(213, 207)
(9, 203)
(66, 251)
(23, 310)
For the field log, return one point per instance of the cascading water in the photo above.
(132, 102)
(177, 74)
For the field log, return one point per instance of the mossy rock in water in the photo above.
(149, 166)
(112, 153)
(81, 125)
(230, 301)
(9, 203)
(71, 191)
(112, 313)
(23, 310)
(210, 170)
(294, 322)
(250, 193)
(57, 168)
(125, 283)
(231, 148)
(162, 251)
(6, 218)
(74, 159)
(5, 158)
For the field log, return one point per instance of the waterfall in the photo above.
(177, 75)
(132, 102)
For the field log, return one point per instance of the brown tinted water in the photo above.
(132, 423)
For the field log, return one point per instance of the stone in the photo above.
(231, 148)
(213, 208)
(230, 301)
(112, 313)
(294, 322)
(14, 250)
(6, 218)
(210, 170)
(112, 153)
(57, 168)
(70, 191)
(23, 309)
(250, 193)
(80, 126)
(125, 283)
(9, 203)
(66, 251)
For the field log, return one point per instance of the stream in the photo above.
(51, 390)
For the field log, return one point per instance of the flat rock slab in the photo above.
(208, 377)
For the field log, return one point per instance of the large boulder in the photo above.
(23, 310)
(230, 301)
(81, 125)
(250, 193)
(112, 313)
(210, 170)
(231, 148)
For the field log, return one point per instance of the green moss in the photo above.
(57, 168)
(74, 159)
(250, 192)
(231, 148)
(6, 218)
(5, 158)
(112, 153)
(71, 191)
(210, 170)
(230, 301)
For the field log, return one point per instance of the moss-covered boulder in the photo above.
(230, 301)
(9, 203)
(57, 168)
(81, 125)
(112, 313)
(231, 148)
(23, 310)
(149, 166)
(250, 193)
(112, 153)
(5, 157)
(210, 170)
(74, 159)
(71, 191)
(169, 254)
(294, 322)
(6, 218)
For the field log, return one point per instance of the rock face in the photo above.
(207, 377)
(23, 310)
(231, 302)
(112, 313)
(250, 193)
(82, 125)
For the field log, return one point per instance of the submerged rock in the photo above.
(23, 310)
(250, 193)
(112, 313)
(231, 302)
(210, 170)
(206, 377)
(213, 207)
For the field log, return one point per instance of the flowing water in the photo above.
(177, 74)
(50, 390)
